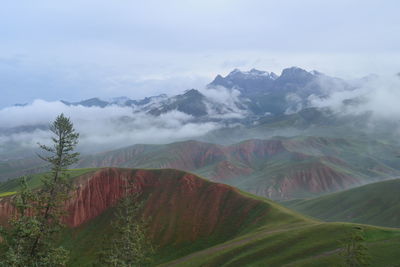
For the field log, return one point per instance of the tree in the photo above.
(130, 245)
(355, 252)
(31, 239)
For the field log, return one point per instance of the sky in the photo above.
(73, 50)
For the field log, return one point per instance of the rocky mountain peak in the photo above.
(193, 93)
(251, 74)
(295, 74)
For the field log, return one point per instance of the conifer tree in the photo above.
(32, 236)
(130, 245)
(355, 252)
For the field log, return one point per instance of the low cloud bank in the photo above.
(116, 126)
(109, 127)
(223, 103)
(379, 96)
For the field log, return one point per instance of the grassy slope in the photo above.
(376, 204)
(85, 240)
(315, 244)
(282, 237)
(295, 241)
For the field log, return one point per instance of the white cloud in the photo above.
(223, 103)
(380, 96)
(100, 128)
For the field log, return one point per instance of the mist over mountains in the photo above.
(243, 103)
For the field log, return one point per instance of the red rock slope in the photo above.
(183, 206)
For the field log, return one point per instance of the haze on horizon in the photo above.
(74, 50)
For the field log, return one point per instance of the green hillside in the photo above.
(312, 244)
(200, 223)
(276, 243)
(85, 240)
(376, 204)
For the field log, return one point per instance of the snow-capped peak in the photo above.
(251, 74)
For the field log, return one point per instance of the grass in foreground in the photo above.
(376, 204)
(313, 244)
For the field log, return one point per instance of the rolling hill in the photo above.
(279, 168)
(197, 222)
(376, 204)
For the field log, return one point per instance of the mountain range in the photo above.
(259, 93)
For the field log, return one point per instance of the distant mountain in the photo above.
(247, 82)
(146, 101)
(376, 204)
(200, 106)
(119, 101)
(192, 102)
(292, 80)
(261, 93)
(268, 93)
(92, 102)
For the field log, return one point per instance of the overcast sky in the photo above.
(74, 50)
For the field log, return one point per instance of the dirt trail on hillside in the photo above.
(230, 245)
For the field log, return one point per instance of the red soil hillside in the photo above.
(176, 200)
(183, 207)
(188, 155)
(279, 168)
(302, 180)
